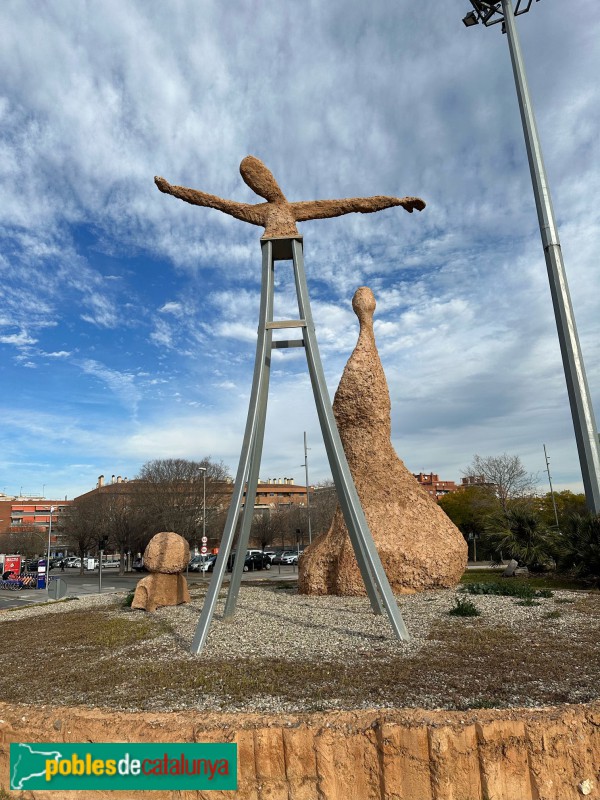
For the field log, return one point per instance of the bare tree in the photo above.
(172, 494)
(505, 475)
(25, 540)
(83, 524)
(264, 528)
(323, 504)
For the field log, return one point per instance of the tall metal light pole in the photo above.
(307, 489)
(582, 411)
(203, 549)
(49, 535)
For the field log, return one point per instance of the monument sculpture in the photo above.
(419, 547)
(165, 557)
(282, 242)
(277, 215)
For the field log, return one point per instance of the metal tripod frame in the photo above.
(376, 583)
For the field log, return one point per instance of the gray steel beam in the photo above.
(371, 568)
(262, 352)
(264, 344)
(582, 410)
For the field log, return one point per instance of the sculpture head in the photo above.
(260, 179)
(364, 304)
(167, 552)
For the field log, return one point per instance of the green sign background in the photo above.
(30, 762)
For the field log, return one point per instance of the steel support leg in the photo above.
(257, 401)
(372, 571)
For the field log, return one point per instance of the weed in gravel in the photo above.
(563, 600)
(556, 614)
(128, 599)
(464, 608)
(529, 601)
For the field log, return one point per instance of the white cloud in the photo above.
(21, 339)
(409, 102)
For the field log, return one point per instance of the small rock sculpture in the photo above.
(277, 215)
(166, 556)
(419, 547)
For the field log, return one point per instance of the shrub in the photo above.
(464, 608)
(507, 589)
(578, 549)
(128, 599)
(556, 614)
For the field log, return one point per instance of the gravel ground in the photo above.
(543, 653)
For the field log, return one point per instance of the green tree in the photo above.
(470, 508)
(567, 504)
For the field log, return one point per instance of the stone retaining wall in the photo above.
(519, 754)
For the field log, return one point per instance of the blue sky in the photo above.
(128, 319)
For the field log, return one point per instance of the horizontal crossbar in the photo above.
(286, 323)
(288, 343)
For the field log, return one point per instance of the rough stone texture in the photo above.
(420, 548)
(518, 754)
(166, 556)
(277, 215)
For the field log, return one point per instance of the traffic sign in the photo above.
(204, 539)
(204, 549)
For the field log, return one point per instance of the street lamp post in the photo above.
(203, 470)
(49, 536)
(307, 489)
(586, 436)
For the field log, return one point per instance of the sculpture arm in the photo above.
(321, 209)
(244, 211)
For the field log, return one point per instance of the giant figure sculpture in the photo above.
(419, 547)
(277, 215)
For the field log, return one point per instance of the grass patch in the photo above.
(508, 588)
(549, 580)
(117, 658)
(463, 608)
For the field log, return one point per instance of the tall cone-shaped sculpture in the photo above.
(419, 547)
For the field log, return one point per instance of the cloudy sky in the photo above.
(128, 319)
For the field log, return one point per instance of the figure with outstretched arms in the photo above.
(277, 215)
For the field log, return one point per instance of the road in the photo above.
(78, 585)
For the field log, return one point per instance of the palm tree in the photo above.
(522, 534)
(578, 549)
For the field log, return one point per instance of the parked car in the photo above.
(253, 561)
(209, 566)
(289, 557)
(200, 563)
(72, 561)
(138, 565)
(259, 555)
